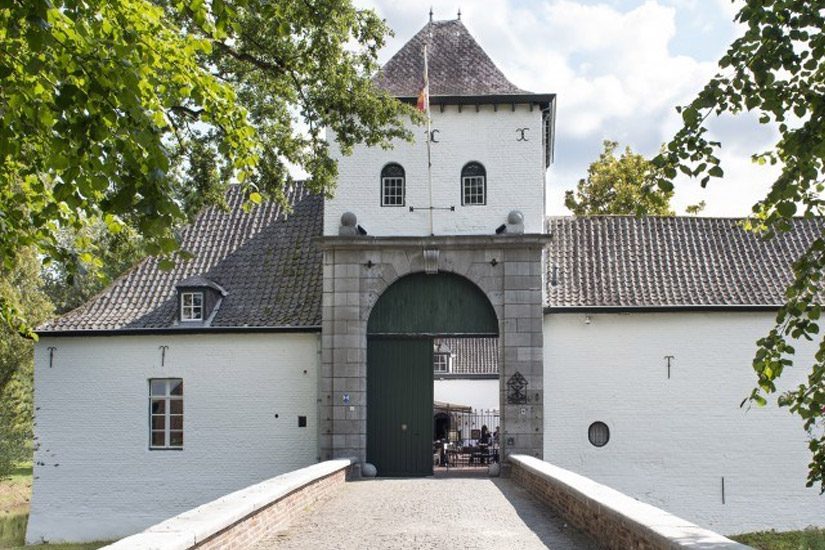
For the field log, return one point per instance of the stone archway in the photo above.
(357, 272)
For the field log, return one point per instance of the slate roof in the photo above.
(271, 270)
(617, 261)
(265, 260)
(457, 65)
(470, 355)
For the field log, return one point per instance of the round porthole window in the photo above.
(598, 434)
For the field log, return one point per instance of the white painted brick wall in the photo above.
(515, 175)
(673, 440)
(92, 420)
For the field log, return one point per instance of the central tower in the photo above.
(482, 232)
(490, 145)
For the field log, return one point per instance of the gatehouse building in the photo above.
(616, 347)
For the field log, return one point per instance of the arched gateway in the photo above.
(400, 332)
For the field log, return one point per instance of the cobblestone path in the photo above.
(429, 513)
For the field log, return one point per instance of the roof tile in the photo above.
(457, 65)
(620, 261)
(265, 259)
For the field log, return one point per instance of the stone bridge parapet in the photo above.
(613, 519)
(240, 519)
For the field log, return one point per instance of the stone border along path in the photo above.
(460, 511)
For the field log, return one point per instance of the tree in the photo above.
(69, 283)
(618, 186)
(776, 69)
(19, 286)
(106, 108)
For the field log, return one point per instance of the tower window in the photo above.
(392, 185)
(473, 184)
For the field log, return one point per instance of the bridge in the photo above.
(328, 505)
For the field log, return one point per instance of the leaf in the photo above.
(166, 264)
(786, 209)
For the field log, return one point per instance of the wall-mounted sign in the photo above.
(345, 399)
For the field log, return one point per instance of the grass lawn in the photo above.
(809, 539)
(15, 493)
(14, 506)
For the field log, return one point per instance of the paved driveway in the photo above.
(463, 511)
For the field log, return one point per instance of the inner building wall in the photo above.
(672, 440)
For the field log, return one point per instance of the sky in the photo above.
(619, 68)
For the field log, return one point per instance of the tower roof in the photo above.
(458, 66)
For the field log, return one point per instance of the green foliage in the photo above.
(622, 186)
(118, 113)
(71, 282)
(19, 286)
(695, 209)
(809, 539)
(777, 71)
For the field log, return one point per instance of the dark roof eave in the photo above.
(174, 330)
(543, 100)
(675, 308)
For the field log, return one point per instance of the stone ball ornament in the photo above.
(348, 219)
(515, 217)
(515, 222)
(349, 225)
(368, 470)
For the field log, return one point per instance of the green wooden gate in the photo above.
(400, 331)
(400, 406)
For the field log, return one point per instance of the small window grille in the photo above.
(392, 185)
(473, 184)
(191, 306)
(166, 413)
(598, 434)
(441, 362)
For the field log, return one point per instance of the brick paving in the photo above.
(459, 511)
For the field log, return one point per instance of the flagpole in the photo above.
(429, 134)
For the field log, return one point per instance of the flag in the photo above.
(423, 103)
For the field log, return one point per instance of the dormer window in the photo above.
(392, 185)
(473, 184)
(191, 306)
(199, 300)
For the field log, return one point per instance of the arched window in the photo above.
(473, 184)
(392, 185)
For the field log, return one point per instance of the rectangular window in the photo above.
(441, 362)
(191, 306)
(165, 413)
(392, 191)
(473, 190)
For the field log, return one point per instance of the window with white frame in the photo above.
(441, 362)
(166, 413)
(392, 185)
(191, 306)
(473, 184)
